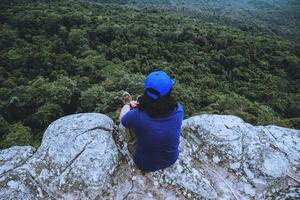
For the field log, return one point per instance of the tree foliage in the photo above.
(60, 57)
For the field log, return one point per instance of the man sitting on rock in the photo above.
(156, 121)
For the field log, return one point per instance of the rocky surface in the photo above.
(14, 157)
(263, 159)
(85, 156)
(76, 158)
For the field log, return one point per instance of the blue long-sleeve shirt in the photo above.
(157, 138)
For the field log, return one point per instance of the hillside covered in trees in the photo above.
(64, 57)
(272, 17)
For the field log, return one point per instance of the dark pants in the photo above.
(130, 140)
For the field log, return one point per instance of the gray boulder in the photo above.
(85, 156)
(263, 160)
(76, 158)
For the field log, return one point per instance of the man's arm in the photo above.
(125, 109)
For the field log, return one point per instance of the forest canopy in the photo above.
(63, 57)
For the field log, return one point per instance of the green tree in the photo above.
(45, 115)
(4, 127)
(18, 135)
(77, 41)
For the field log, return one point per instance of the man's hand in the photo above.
(134, 104)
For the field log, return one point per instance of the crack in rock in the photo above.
(99, 127)
(76, 156)
(92, 129)
(40, 185)
(275, 143)
(16, 167)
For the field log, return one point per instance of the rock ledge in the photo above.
(85, 156)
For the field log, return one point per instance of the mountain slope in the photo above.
(276, 17)
(59, 58)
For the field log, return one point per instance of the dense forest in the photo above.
(64, 57)
(273, 17)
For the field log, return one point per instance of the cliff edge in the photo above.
(85, 156)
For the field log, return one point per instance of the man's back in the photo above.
(157, 138)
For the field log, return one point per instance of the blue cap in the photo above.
(159, 81)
